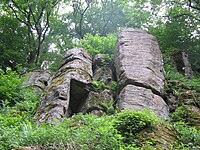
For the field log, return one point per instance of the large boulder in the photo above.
(69, 87)
(140, 72)
(136, 97)
(139, 60)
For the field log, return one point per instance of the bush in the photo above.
(14, 96)
(81, 131)
(99, 45)
(130, 123)
(10, 88)
(188, 137)
(10, 128)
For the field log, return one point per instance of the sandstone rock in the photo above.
(69, 87)
(137, 98)
(140, 72)
(139, 60)
(38, 78)
(101, 60)
(102, 67)
(104, 74)
(95, 103)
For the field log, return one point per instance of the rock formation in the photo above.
(39, 79)
(69, 87)
(98, 98)
(140, 72)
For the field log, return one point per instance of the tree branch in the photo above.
(81, 19)
(192, 6)
(17, 17)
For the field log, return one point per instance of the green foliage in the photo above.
(174, 35)
(80, 131)
(13, 43)
(10, 87)
(180, 86)
(179, 114)
(99, 85)
(113, 85)
(171, 75)
(99, 45)
(15, 97)
(14, 93)
(193, 83)
(94, 17)
(130, 123)
(10, 128)
(186, 114)
(36, 21)
(188, 137)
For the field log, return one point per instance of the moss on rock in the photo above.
(161, 136)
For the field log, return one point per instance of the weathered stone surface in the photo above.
(102, 72)
(101, 60)
(140, 72)
(139, 60)
(138, 98)
(102, 67)
(187, 66)
(69, 87)
(95, 102)
(38, 78)
(162, 137)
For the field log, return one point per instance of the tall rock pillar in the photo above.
(140, 72)
(69, 87)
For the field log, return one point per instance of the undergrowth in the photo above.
(113, 132)
(80, 132)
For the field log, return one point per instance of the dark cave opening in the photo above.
(78, 94)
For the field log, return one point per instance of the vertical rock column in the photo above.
(69, 87)
(140, 72)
